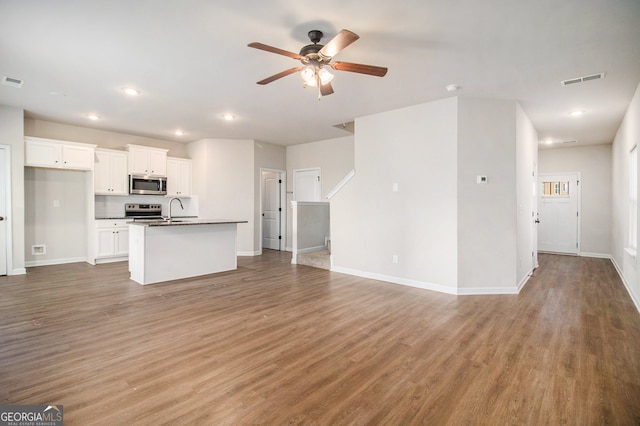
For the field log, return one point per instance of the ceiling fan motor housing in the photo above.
(315, 36)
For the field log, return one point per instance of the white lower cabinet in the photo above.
(112, 239)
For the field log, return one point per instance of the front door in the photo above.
(271, 210)
(558, 210)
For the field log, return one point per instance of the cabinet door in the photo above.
(157, 163)
(43, 154)
(119, 176)
(178, 177)
(138, 162)
(77, 157)
(102, 173)
(106, 242)
(121, 247)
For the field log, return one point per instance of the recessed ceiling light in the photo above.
(452, 87)
(577, 113)
(93, 117)
(178, 133)
(57, 94)
(228, 117)
(130, 91)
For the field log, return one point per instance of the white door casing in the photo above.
(4, 179)
(271, 188)
(559, 214)
(306, 185)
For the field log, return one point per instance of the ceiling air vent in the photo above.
(582, 79)
(8, 81)
(566, 142)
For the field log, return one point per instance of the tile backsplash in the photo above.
(113, 206)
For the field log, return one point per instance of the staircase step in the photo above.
(317, 259)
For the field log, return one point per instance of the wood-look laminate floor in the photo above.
(275, 343)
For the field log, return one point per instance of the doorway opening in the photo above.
(559, 213)
(273, 198)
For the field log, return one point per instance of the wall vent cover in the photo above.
(582, 79)
(8, 81)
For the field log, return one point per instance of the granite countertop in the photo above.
(184, 221)
(129, 217)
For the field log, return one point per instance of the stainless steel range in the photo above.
(143, 211)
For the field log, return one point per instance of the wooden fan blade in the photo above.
(359, 68)
(326, 89)
(279, 75)
(339, 42)
(272, 49)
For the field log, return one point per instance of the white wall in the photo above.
(594, 165)
(334, 157)
(628, 135)
(224, 179)
(416, 148)
(526, 175)
(62, 228)
(487, 229)
(12, 134)
(102, 138)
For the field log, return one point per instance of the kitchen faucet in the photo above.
(170, 201)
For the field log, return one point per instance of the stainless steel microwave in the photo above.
(147, 185)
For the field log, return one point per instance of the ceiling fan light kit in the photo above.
(315, 56)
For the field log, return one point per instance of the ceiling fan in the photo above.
(315, 56)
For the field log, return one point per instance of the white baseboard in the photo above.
(32, 263)
(18, 271)
(396, 280)
(249, 253)
(431, 286)
(634, 298)
(111, 260)
(310, 249)
(598, 255)
(479, 291)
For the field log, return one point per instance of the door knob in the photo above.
(537, 220)
(1, 218)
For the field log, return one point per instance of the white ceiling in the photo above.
(191, 63)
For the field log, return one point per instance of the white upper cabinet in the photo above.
(147, 161)
(110, 173)
(58, 154)
(178, 177)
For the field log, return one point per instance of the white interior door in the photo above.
(306, 185)
(558, 210)
(3, 210)
(271, 236)
(535, 216)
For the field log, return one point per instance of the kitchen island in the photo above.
(164, 250)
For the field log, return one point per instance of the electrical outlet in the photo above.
(56, 203)
(395, 258)
(38, 249)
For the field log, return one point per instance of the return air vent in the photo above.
(8, 81)
(567, 142)
(582, 79)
